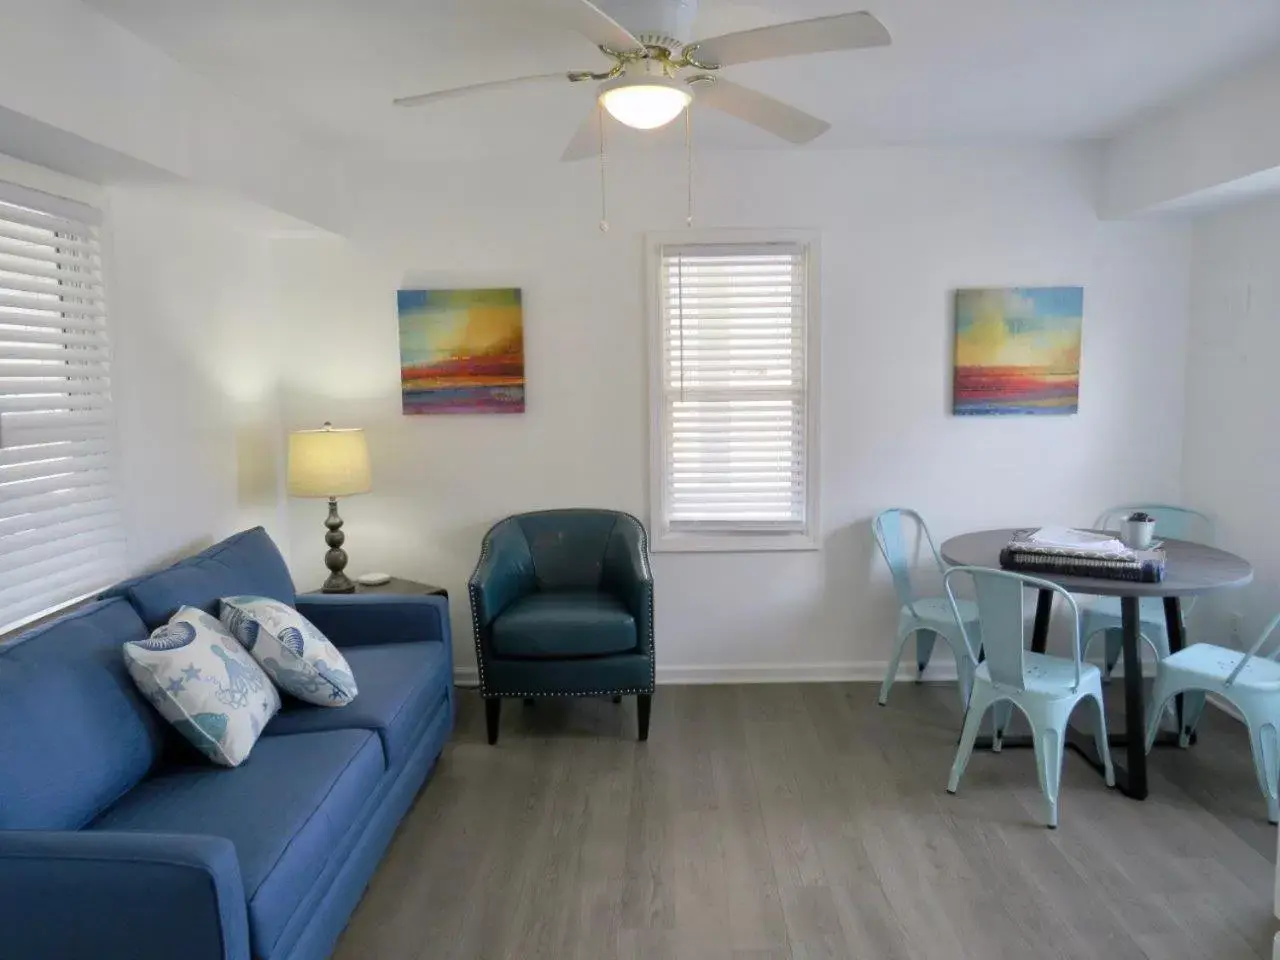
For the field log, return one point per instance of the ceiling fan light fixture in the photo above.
(646, 102)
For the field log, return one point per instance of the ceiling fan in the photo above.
(656, 74)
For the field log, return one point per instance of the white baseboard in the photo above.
(849, 671)
(942, 669)
(835, 672)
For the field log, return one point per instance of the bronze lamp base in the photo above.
(336, 558)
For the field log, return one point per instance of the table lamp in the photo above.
(330, 463)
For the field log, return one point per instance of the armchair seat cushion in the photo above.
(564, 623)
(286, 810)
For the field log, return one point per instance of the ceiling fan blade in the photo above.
(778, 118)
(419, 99)
(848, 31)
(586, 141)
(589, 20)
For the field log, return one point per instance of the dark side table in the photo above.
(398, 586)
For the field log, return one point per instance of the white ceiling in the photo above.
(958, 70)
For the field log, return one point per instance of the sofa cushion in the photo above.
(564, 623)
(74, 733)
(401, 685)
(204, 683)
(285, 810)
(298, 657)
(247, 563)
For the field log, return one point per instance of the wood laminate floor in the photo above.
(802, 821)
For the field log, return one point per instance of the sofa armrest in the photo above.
(104, 894)
(627, 576)
(361, 619)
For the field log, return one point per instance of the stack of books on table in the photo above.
(1081, 553)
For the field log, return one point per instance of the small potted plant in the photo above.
(1139, 529)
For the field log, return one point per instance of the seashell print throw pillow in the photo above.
(201, 680)
(296, 655)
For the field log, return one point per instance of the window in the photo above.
(735, 365)
(60, 532)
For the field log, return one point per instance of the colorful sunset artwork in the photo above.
(461, 351)
(1018, 351)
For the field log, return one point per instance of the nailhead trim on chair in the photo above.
(473, 593)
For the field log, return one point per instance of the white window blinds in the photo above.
(734, 399)
(60, 532)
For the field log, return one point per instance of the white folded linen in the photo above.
(1068, 538)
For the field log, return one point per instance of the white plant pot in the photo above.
(1137, 534)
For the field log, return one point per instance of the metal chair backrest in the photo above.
(1002, 616)
(1180, 523)
(893, 541)
(1253, 651)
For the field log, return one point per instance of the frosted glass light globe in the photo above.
(647, 104)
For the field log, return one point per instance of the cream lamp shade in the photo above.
(328, 463)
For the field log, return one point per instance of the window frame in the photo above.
(87, 205)
(726, 539)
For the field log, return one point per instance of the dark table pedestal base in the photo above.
(1081, 742)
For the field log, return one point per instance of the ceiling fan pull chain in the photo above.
(604, 208)
(688, 172)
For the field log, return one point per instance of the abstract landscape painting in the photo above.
(461, 351)
(1018, 350)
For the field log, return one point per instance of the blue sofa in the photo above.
(119, 842)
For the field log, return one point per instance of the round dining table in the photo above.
(1190, 569)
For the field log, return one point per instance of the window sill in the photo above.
(16, 629)
(684, 542)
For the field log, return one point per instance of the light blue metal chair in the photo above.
(1102, 615)
(1045, 688)
(926, 617)
(1249, 682)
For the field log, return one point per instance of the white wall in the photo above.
(195, 360)
(1232, 455)
(900, 230)
(13, 170)
(195, 377)
(116, 91)
(1217, 142)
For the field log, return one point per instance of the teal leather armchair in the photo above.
(562, 606)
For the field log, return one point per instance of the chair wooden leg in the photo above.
(617, 699)
(644, 702)
(492, 711)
